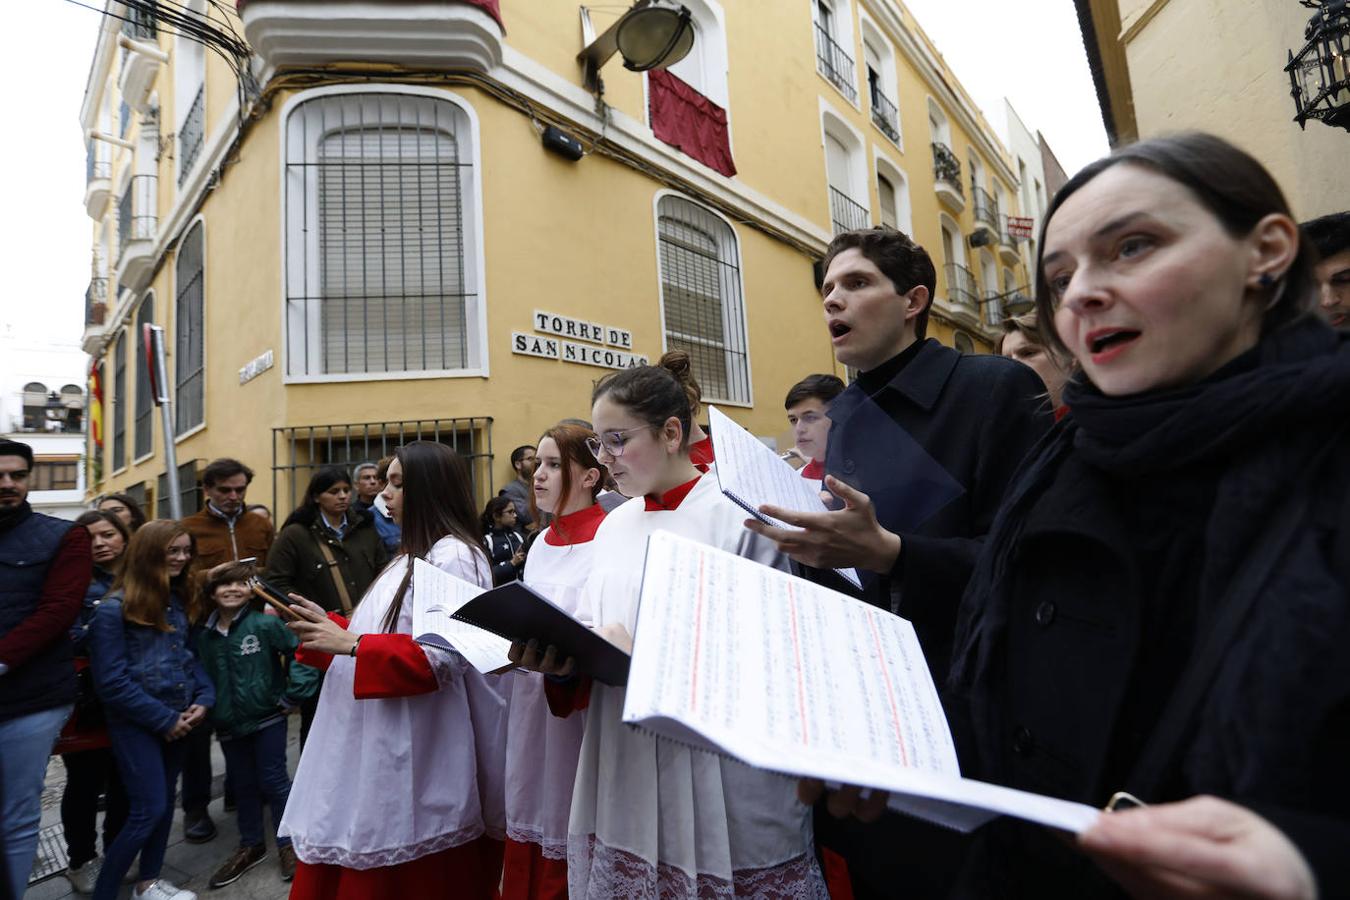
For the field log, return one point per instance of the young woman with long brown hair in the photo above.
(541, 748)
(154, 692)
(421, 815)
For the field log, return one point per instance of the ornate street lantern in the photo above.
(652, 34)
(1319, 74)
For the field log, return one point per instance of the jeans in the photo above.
(197, 769)
(257, 764)
(88, 774)
(25, 744)
(149, 766)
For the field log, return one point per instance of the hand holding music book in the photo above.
(437, 595)
(734, 657)
(516, 613)
(751, 475)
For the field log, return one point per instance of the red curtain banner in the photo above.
(689, 121)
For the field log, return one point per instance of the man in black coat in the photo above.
(923, 446)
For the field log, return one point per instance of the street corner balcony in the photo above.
(95, 314)
(947, 177)
(142, 59)
(137, 222)
(449, 35)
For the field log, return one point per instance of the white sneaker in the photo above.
(82, 878)
(160, 889)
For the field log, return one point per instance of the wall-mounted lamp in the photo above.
(653, 34)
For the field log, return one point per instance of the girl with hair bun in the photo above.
(678, 363)
(542, 749)
(652, 817)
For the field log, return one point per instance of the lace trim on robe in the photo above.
(312, 854)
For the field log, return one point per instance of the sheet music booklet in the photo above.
(751, 475)
(736, 658)
(437, 596)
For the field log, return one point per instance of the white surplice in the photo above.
(385, 781)
(652, 817)
(541, 748)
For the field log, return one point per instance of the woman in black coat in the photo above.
(1160, 607)
(504, 542)
(1179, 547)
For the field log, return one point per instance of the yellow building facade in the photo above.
(363, 227)
(1168, 65)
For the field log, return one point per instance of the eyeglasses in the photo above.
(611, 442)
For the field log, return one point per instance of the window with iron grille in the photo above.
(189, 491)
(701, 297)
(381, 272)
(189, 388)
(144, 440)
(119, 403)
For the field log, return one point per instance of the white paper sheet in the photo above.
(752, 475)
(790, 676)
(437, 596)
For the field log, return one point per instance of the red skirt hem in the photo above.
(529, 875)
(472, 871)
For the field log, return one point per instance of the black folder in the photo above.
(517, 613)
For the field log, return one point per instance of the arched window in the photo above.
(702, 306)
(189, 363)
(381, 256)
(882, 91)
(144, 442)
(34, 406)
(845, 175)
(893, 195)
(705, 67)
(963, 342)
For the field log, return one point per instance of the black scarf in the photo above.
(1295, 383)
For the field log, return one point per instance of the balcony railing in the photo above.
(136, 211)
(846, 214)
(191, 134)
(96, 301)
(961, 285)
(986, 207)
(1006, 237)
(885, 115)
(946, 167)
(993, 307)
(834, 63)
(139, 25)
(95, 168)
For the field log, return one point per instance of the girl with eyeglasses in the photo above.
(542, 749)
(650, 816)
(154, 692)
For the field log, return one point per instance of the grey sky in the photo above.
(1029, 50)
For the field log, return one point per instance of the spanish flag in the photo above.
(95, 405)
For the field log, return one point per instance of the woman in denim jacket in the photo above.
(154, 692)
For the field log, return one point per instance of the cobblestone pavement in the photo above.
(186, 865)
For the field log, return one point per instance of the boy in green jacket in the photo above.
(245, 654)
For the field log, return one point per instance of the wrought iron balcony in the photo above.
(884, 115)
(846, 214)
(137, 220)
(986, 208)
(97, 180)
(993, 307)
(946, 167)
(1007, 243)
(139, 25)
(834, 63)
(961, 287)
(96, 301)
(191, 135)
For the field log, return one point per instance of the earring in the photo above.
(1266, 280)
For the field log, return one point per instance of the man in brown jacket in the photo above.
(224, 531)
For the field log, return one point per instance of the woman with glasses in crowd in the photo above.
(154, 692)
(125, 508)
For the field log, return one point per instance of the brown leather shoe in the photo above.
(240, 862)
(286, 859)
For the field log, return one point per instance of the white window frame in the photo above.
(731, 320)
(198, 221)
(859, 190)
(904, 213)
(890, 80)
(841, 32)
(300, 259)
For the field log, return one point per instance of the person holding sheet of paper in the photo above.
(652, 817)
(399, 790)
(1160, 607)
(542, 749)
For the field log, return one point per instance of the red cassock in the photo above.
(389, 666)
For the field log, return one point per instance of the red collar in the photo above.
(815, 470)
(575, 527)
(701, 454)
(671, 499)
(1060, 412)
